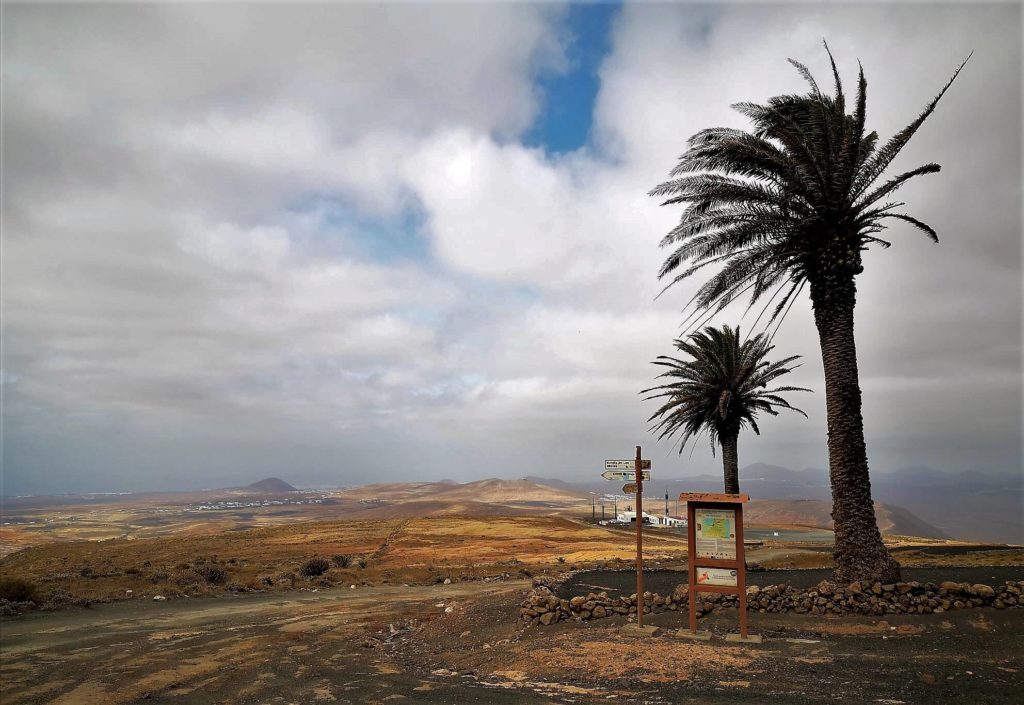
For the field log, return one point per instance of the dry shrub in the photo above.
(213, 574)
(342, 560)
(314, 566)
(18, 590)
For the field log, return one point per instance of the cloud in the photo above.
(190, 192)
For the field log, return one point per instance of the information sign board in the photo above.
(714, 540)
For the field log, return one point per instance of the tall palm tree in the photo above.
(791, 205)
(719, 390)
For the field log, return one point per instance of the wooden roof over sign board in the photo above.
(713, 497)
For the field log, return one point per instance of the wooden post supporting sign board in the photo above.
(639, 470)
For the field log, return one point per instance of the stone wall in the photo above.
(543, 606)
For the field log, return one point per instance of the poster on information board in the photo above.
(725, 577)
(716, 533)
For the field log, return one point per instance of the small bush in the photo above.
(361, 563)
(341, 560)
(213, 574)
(158, 577)
(132, 571)
(314, 566)
(85, 572)
(18, 590)
(59, 597)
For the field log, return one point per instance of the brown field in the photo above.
(383, 552)
(399, 550)
(98, 548)
(31, 520)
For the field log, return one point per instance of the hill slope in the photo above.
(270, 485)
(490, 491)
(818, 513)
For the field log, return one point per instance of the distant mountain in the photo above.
(270, 485)
(971, 506)
(763, 472)
(557, 484)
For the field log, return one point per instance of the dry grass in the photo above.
(384, 551)
(616, 658)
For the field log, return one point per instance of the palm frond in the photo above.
(779, 206)
(717, 385)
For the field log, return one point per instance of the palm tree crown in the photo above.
(794, 201)
(719, 389)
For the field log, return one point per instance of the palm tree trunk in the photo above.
(730, 464)
(859, 551)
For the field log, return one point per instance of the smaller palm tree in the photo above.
(719, 390)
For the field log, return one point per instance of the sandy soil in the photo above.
(306, 648)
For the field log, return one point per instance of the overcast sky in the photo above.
(344, 243)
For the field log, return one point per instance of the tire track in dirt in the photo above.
(386, 543)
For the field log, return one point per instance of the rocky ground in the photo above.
(465, 643)
(974, 655)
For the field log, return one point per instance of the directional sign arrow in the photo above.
(626, 465)
(629, 488)
(625, 474)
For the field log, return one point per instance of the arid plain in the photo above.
(412, 592)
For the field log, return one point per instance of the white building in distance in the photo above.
(652, 519)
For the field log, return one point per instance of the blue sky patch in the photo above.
(344, 231)
(567, 109)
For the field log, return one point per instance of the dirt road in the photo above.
(303, 648)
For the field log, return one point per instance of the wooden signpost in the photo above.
(715, 548)
(618, 470)
(625, 475)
